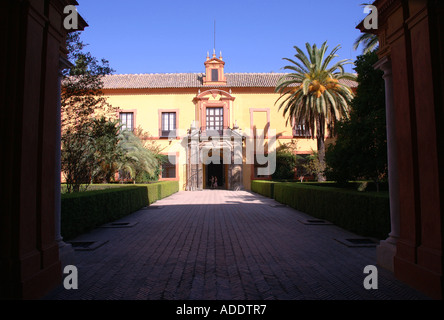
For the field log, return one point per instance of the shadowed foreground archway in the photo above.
(411, 34)
(411, 38)
(33, 43)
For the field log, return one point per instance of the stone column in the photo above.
(193, 159)
(237, 160)
(66, 252)
(387, 249)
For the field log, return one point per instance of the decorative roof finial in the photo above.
(220, 55)
(214, 52)
(208, 55)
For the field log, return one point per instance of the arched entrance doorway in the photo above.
(215, 171)
(215, 176)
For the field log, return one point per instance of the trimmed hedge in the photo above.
(265, 188)
(84, 211)
(160, 190)
(368, 186)
(364, 213)
(168, 188)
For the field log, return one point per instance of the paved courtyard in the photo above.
(226, 245)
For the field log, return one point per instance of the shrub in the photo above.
(153, 192)
(285, 166)
(364, 213)
(364, 186)
(167, 188)
(83, 211)
(160, 190)
(265, 188)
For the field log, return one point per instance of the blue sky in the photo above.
(144, 36)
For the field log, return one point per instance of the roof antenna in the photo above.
(214, 47)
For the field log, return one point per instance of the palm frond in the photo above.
(312, 89)
(369, 42)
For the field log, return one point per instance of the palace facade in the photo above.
(211, 124)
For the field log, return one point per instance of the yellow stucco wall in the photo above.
(146, 105)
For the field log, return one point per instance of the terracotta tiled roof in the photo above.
(193, 80)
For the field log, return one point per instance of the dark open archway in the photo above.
(217, 171)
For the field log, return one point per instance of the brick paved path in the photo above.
(227, 245)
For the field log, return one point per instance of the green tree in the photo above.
(90, 153)
(155, 149)
(285, 165)
(286, 161)
(77, 158)
(138, 161)
(107, 149)
(360, 151)
(82, 101)
(312, 166)
(82, 84)
(312, 95)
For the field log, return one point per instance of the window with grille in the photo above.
(168, 168)
(301, 130)
(215, 119)
(127, 120)
(168, 124)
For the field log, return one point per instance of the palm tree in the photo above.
(369, 41)
(312, 95)
(137, 159)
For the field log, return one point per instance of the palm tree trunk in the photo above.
(320, 137)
